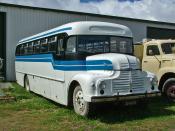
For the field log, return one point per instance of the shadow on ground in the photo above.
(110, 114)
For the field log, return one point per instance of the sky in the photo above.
(157, 10)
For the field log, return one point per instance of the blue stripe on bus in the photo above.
(73, 65)
(98, 62)
(35, 56)
(70, 68)
(47, 34)
(34, 60)
(73, 62)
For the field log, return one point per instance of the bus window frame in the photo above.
(52, 42)
(17, 52)
(28, 53)
(46, 39)
(25, 44)
(22, 46)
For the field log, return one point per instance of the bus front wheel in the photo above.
(81, 107)
(26, 83)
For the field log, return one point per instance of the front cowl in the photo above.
(111, 61)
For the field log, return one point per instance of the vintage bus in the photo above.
(82, 63)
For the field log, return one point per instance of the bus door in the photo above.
(58, 87)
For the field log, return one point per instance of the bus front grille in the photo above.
(128, 81)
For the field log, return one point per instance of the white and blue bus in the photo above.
(82, 63)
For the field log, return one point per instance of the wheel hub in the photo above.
(171, 91)
(80, 101)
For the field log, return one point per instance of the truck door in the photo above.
(152, 58)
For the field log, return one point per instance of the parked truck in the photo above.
(158, 57)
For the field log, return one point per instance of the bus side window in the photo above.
(18, 50)
(44, 46)
(25, 49)
(21, 50)
(36, 47)
(60, 49)
(71, 45)
(30, 48)
(52, 44)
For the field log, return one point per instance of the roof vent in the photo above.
(108, 29)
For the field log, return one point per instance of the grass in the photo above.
(34, 113)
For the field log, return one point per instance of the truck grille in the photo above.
(127, 81)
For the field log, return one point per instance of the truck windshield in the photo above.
(104, 44)
(168, 48)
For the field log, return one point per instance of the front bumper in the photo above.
(125, 97)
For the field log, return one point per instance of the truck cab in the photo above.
(158, 57)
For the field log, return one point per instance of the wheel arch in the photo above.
(25, 75)
(72, 86)
(165, 77)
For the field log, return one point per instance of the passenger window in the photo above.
(30, 48)
(44, 46)
(71, 45)
(36, 47)
(60, 48)
(52, 44)
(153, 50)
(25, 49)
(18, 50)
(21, 50)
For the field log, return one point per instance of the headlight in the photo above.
(102, 85)
(154, 81)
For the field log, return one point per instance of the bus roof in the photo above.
(84, 28)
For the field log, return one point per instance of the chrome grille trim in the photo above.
(124, 65)
(128, 65)
(123, 82)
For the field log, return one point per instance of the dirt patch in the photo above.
(3, 96)
(5, 85)
(7, 99)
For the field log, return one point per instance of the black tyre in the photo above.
(169, 89)
(26, 84)
(81, 107)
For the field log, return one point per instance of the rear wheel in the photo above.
(26, 84)
(169, 89)
(81, 107)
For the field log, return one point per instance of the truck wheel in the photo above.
(81, 107)
(169, 89)
(26, 84)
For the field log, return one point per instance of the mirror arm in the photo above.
(158, 60)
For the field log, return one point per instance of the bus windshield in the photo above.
(104, 44)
